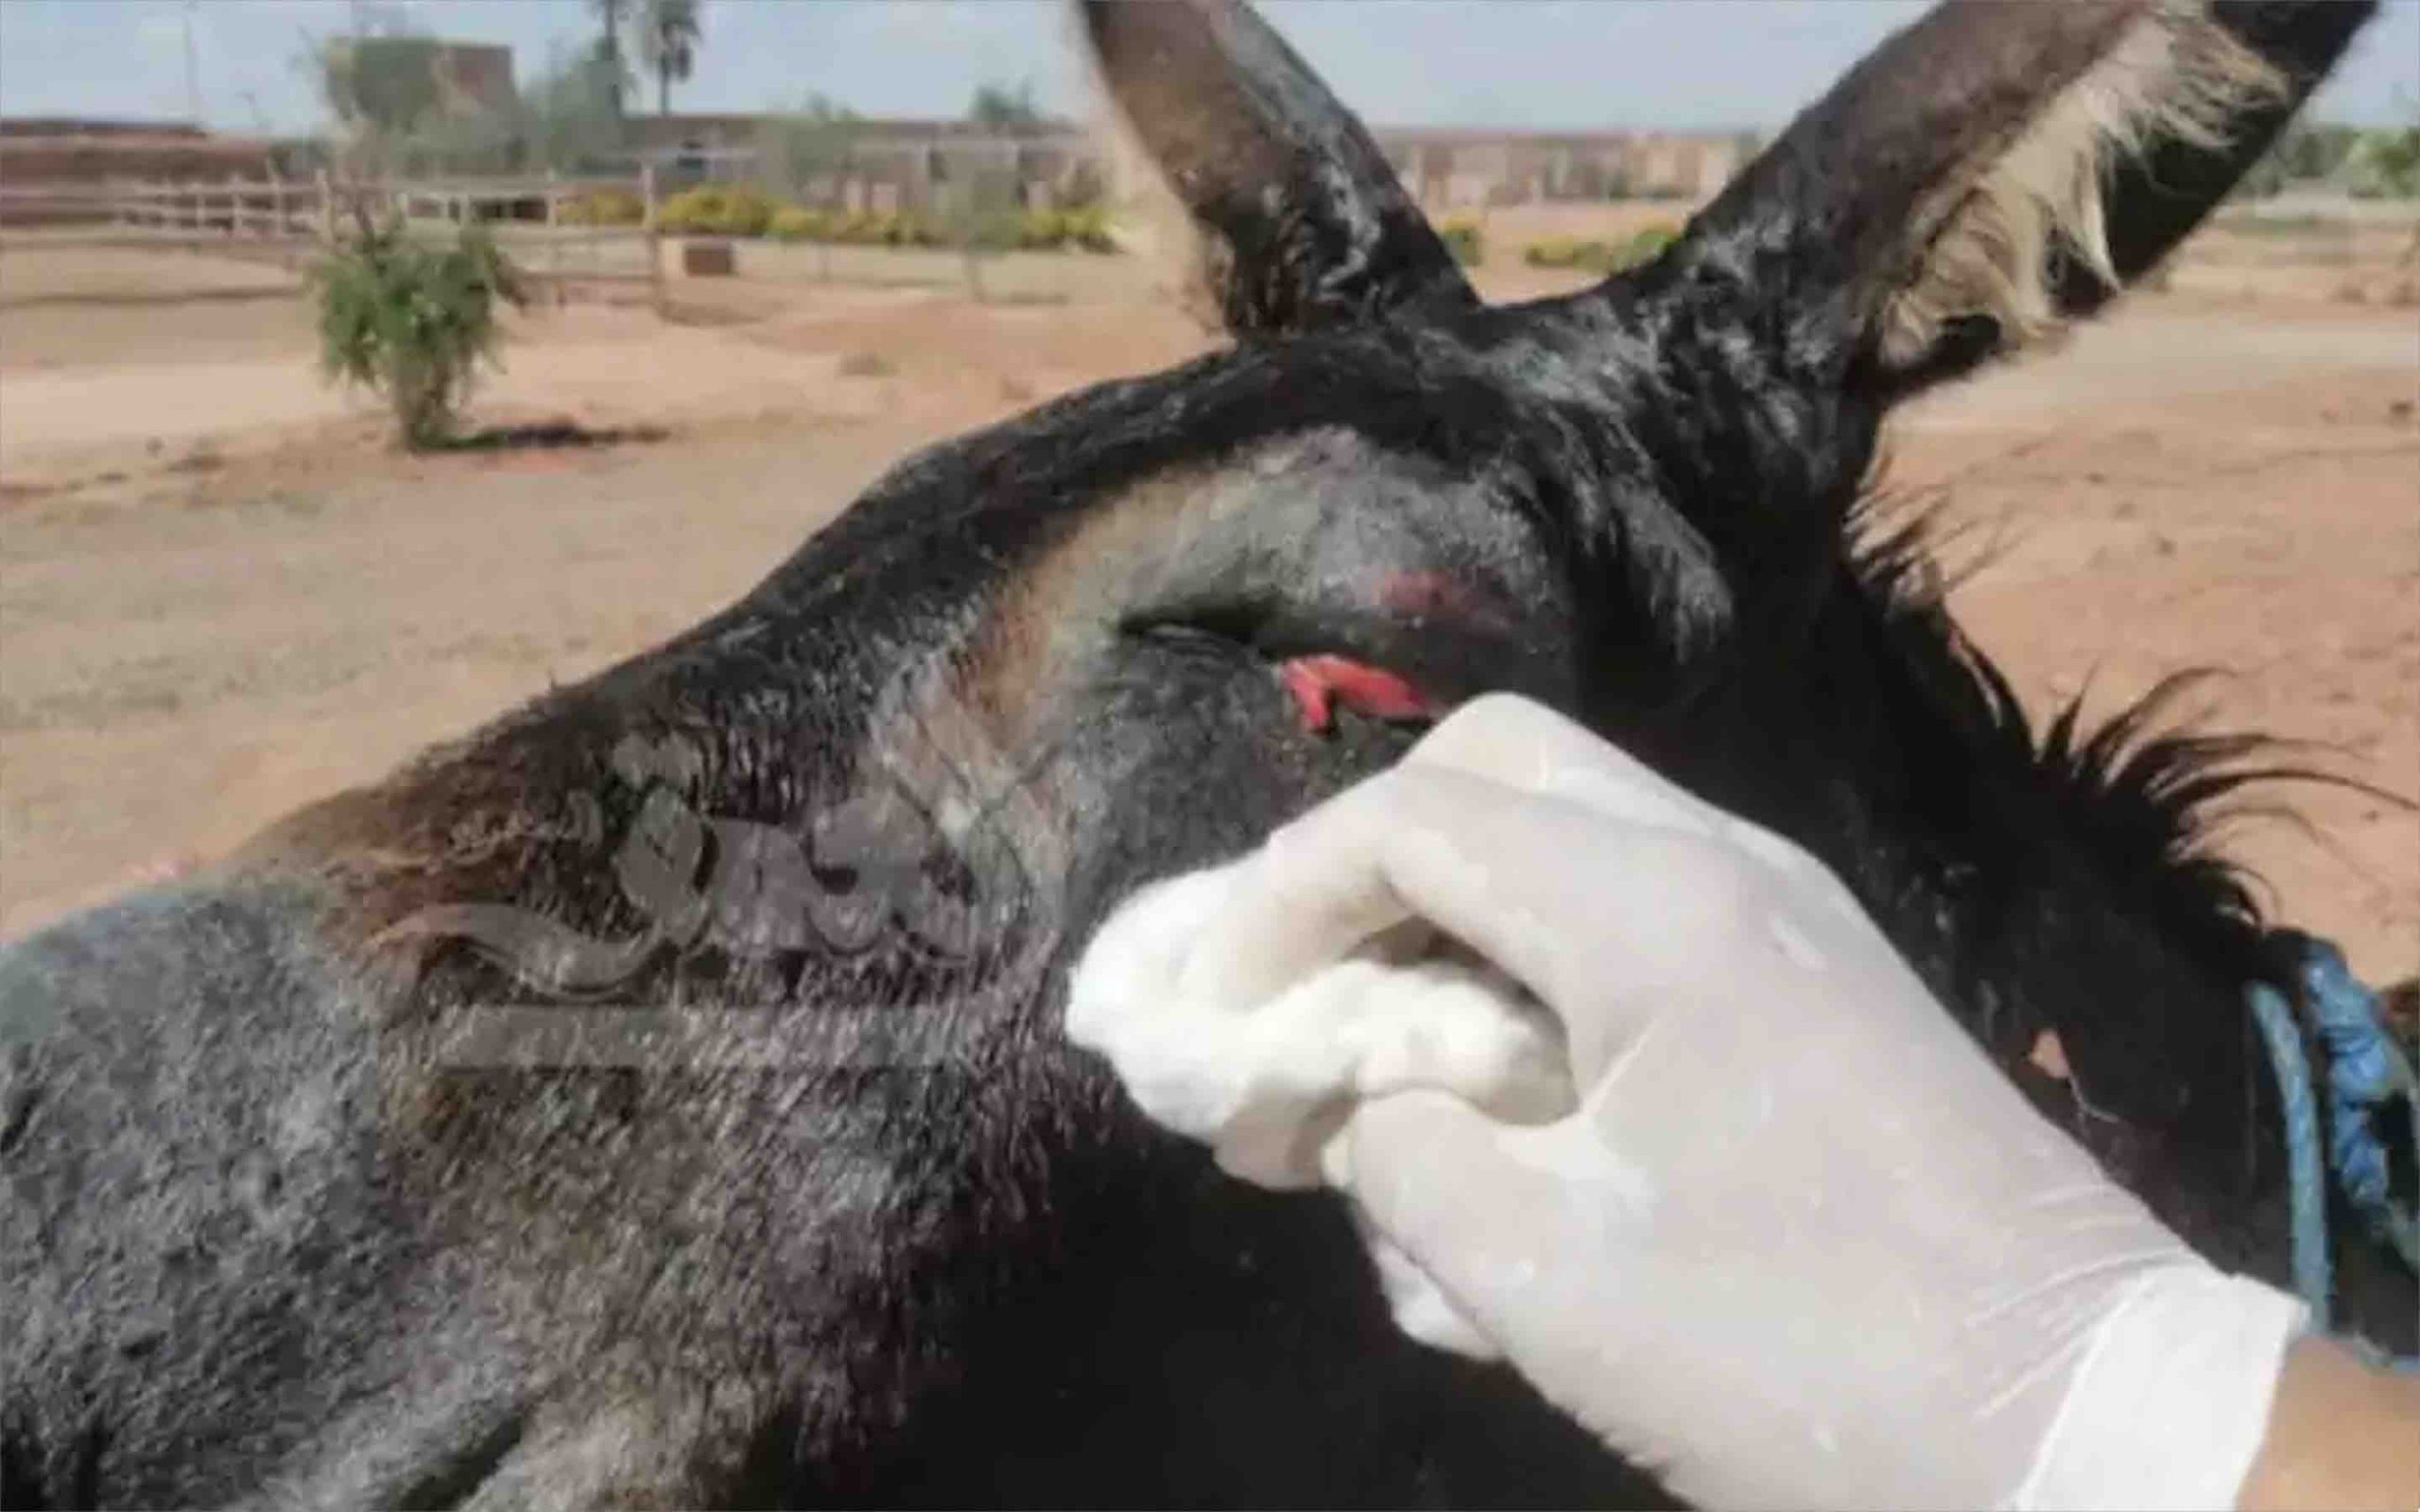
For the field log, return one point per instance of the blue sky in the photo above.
(1498, 62)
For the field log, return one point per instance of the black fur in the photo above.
(857, 1225)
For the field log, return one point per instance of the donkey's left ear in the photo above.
(2003, 166)
(1307, 223)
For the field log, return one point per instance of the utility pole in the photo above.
(193, 71)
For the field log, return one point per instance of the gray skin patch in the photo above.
(198, 1229)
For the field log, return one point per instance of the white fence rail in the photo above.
(289, 220)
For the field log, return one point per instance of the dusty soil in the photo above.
(220, 596)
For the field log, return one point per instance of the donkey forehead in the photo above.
(1465, 422)
(1326, 505)
(1320, 528)
(1440, 476)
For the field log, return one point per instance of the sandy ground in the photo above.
(220, 596)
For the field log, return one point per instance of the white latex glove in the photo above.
(1801, 1243)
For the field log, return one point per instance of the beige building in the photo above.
(1451, 169)
(914, 163)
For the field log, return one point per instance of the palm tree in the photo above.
(669, 35)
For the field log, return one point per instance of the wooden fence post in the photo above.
(554, 239)
(651, 230)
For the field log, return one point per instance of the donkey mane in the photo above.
(2143, 792)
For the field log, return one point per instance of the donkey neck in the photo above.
(2043, 885)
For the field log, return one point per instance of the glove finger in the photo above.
(1499, 1217)
(1527, 745)
(1491, 867)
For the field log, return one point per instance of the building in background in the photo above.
(473, 77)
(1449, 168)
(466, 91)
(904, 164)
(54, 152)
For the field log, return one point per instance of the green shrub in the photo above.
(683, 215)
(604, 207)
(799, 223)
(1647, 244)
(905, 228)
(1040, 230)
(412, 321)
(1607, 258)
(880, 228)
(1087, 227)
(716, 210)
(745, 213)
(1555, 252)
(1463, 239)
(2386, 164)
(1081, 227)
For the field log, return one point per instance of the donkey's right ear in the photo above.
(2003, 166)
(1307, 225)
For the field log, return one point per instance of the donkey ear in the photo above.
(1307, 223)
(1997, 169)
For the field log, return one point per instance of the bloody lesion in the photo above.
(1323, 684)
(1411, 601)
(1415, 601)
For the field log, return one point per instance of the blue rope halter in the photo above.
(2364, 1070)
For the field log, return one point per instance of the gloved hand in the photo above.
(1800, 1242)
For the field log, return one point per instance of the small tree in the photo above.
(380, 89)
(978, 214)
(669, 31)
(412, 321)
(379, 83)
(568, 118)
(1004, 105)
(2305, 152)
(2388, 163)
(803, 155)
(800, 150)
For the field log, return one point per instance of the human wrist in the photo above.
(2340, 1434)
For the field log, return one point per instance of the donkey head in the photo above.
(1184, 608)
(1178, 609)
(1175, 611)
(1637, 502)
(1230, 585)
(1131, 632)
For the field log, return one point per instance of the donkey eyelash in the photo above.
(1192, 637)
